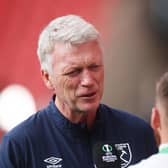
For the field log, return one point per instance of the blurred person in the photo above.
(159, 122)
(65, 132)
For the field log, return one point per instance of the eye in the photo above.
(73, 73)
(95, 67)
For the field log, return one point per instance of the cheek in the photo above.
(100, 78)
(100, 83)
(68, 85)
(59, 85)
(102, 75)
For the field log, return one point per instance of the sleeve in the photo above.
(10, 153)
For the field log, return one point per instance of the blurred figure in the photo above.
(64, 133)
(22, 105)
(1, 134)
(159, 122)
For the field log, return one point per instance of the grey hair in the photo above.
(70, 29)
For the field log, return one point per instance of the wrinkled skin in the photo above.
(77, 80)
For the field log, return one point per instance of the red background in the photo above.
(21, 22)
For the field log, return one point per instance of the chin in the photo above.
(89, 107)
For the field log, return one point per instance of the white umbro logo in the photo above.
(53, 161)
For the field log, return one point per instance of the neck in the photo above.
(164, 136)
(76, 116)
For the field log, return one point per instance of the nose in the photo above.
(87, 79)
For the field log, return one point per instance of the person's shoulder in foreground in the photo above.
(159, 123)
(154, 161)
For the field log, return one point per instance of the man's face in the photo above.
(78, 76)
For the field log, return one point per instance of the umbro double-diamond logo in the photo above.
(53, 162)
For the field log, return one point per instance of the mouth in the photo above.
(89, 95)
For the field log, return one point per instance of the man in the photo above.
(65, 133)
(159, 122)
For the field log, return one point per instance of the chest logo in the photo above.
(125, 153)
(54, 162)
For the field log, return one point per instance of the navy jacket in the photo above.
(48, 140)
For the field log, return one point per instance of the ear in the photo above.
(46, 78)
(155, 118)
(156, 124)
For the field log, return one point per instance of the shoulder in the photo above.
(27, 128)
(128, 128)
(123, 118)
(131, 126)
(154, 161)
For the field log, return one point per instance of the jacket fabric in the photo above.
(48, 140)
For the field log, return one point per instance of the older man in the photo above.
(67, 132)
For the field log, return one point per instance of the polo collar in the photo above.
(76, 129)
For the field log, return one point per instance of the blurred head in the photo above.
(71, 61)
(160, 111)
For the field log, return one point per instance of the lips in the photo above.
(91, 94)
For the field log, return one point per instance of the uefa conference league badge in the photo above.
(105, 155)
(112, 155)
(109, 155)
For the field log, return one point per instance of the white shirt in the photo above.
(158, 160)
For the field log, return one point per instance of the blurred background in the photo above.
(135, 37)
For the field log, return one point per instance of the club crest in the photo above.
(125, 153)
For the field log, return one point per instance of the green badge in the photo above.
(107, 148)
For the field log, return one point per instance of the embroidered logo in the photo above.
(107, 148)
(109, 156)
(125, 153)
(53, 161)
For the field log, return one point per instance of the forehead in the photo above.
(89, 53)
